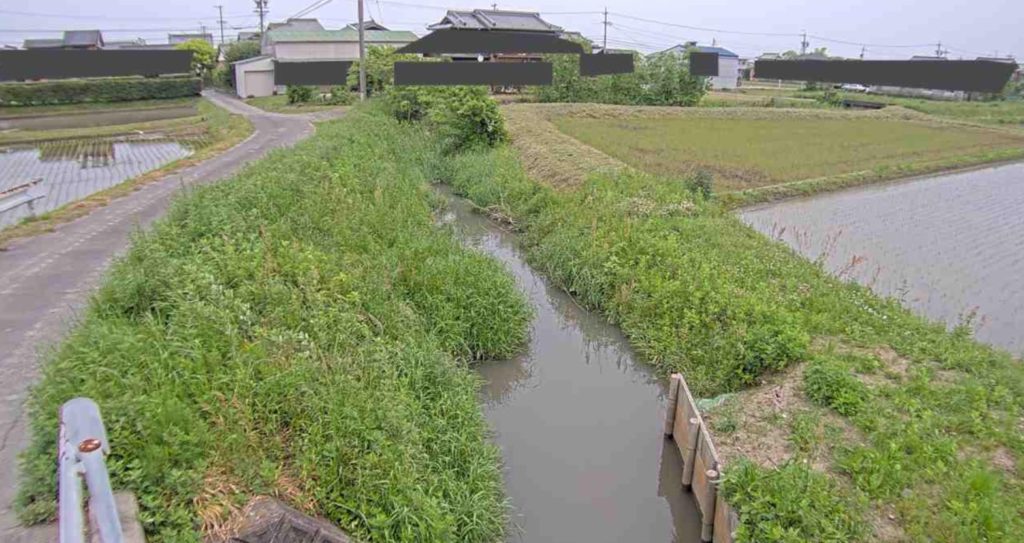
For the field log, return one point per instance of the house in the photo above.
(304, 40)
(125, 44)
(367, 25)
(496, 20)
(728, 63)
(482, 19)
(175, 39)
(73, 39)
(247, 35)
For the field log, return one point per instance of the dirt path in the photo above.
(45, 280)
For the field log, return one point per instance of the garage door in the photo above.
(259, 83)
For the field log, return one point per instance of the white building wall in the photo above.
(242, 67)
(323, 50)
(728, 73)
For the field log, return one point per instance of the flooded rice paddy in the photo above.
(950, 247)
(40, 177)
(578, 420)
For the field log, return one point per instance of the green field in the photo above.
(749, 153)
(994, 112)
(94, 107)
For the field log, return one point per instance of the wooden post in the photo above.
(690, 452)
(708, 521)
(673, 399)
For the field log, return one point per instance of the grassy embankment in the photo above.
(763, 154)
(216, 128)
(858, 420)
(992, 112)
(279, 104)
(299, 330)
(11, 112)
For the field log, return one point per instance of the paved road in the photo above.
(45, 280)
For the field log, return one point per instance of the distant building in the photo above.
(482, 19)
(125, 44)
(728, 63)
(367, 25)
(246, 36)
(73, 39)
(175, 39)
(304, 40)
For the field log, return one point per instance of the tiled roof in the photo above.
(74, 38)
(344, 35)
(721, 52)
(482, 19)
(43, 43)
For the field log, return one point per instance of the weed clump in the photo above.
(830, 384)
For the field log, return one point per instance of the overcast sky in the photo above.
(966, 29)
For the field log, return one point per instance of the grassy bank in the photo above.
(751, 153)
(850, 419)
(11, 112)
(994, 112)
(219, 130)
(299, 330)
(279, 104)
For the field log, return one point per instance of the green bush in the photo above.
(791, 504)
(299, 94)
(380, 69)
(662, 80)
(115, 89)
(302, 327)
(462, 117)
(340, 96)
(239, 50)
(829, 383)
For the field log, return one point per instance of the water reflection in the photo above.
(578, 420)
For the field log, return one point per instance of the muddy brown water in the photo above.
(947, 246)
(578, 419)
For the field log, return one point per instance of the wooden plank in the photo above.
(726, 522)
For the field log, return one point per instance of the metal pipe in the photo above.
(83, 446)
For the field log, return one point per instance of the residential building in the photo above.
(728, 63)
(175, 39)
(496, 20)
(305, 40)
(72, 39)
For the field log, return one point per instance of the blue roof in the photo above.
(721, 52)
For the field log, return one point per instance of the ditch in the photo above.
(577, 417)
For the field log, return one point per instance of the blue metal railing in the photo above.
(82, 448)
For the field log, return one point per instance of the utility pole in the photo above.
(494, 6)
(803, 44)
(862, 52)
(220, 18)
(938, 50)
(604, 46)
(362, 56)
(261, 9)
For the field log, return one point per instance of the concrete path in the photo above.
(45, 280)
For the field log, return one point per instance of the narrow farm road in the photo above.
(45, 280)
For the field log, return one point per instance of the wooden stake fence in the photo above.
(701, 466)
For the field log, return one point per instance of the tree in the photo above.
(239, 50)
(204, 56)
(380, 68)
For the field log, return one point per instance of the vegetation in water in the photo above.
(300, 330)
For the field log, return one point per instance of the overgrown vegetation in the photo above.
(380, 69)
(662, 80)
(224, 74)
(300, 330)
(113, 89)
(930, 444)
(461, 117)
(204, 55)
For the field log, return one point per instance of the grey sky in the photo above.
(966, 29)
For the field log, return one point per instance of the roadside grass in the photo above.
(906, 431)
(301, 330)
(10, 112)
(220, 131)
(278, 103)
(751, 153)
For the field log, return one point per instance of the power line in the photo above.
(108, 18)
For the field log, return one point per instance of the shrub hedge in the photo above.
(114, 89)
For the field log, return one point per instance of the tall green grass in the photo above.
(699, 292)
(302, 329)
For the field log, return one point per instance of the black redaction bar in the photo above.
(962, 75)
(490, 42)
(606, 64)
(70, 63)
(326, 72)
(473, 73)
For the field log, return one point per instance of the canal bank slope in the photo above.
(849, 416)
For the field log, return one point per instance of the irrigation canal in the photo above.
(947, 246)
(578, 419)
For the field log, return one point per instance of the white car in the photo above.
(854, 87)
